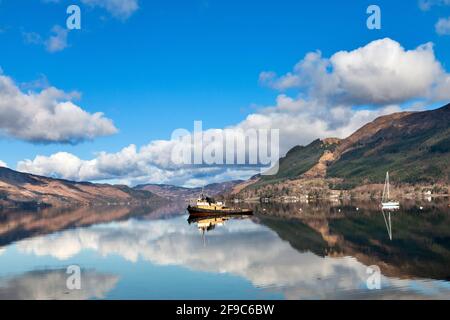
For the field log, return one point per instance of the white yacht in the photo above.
(386, 201)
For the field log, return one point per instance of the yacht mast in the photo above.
(386, 201)
(387, 182)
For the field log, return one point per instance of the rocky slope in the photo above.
(413, 146)
(22, 190)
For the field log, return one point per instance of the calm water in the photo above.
(290, 251)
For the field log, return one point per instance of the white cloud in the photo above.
(301, 122)
(57, 41)
(426, 5)
(121, 9)
(32, 38)
(3, 164)
(443, 26)
(379, 73)
(130, 166)
(47, 116)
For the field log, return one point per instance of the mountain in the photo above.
(25, 190)
(180, 193)
(302, 161)
(413, 146)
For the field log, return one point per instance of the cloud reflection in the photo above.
(241, 248)
(51, 285)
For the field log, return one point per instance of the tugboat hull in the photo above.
(195, 211)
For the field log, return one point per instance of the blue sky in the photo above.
(169, 63)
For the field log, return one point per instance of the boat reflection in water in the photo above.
(208, 213)
(315, 250)
(208, 223)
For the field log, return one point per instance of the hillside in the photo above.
(301, 161)
(413, 146)
(24, 190)
(181, 193)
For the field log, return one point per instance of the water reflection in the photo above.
(207, 223)
(17, 225)
(50, 285)
(388, 222)
(297, 251)
(412, 242)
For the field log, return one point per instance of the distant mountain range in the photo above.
(413, 146)
(180, 193)
(24, 190)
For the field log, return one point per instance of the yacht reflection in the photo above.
(387, 222)
(357, 229)
(386, 211)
